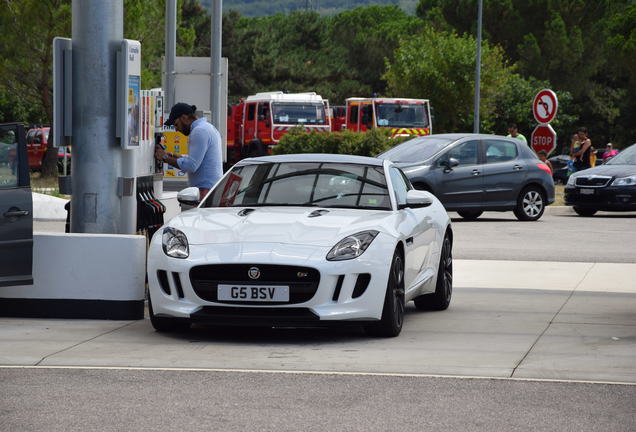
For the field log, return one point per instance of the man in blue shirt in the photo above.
(203, 163)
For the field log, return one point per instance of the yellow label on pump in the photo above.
(177, 143)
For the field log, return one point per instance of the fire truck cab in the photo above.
(258, 122)
(402, 116)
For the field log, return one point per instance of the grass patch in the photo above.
(559, 195)
(46, 185)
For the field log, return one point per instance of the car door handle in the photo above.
(517, 168)
(476, 172)
(15, 213)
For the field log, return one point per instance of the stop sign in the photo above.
(543, 138)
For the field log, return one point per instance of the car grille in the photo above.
(302, 281)
(593, 181)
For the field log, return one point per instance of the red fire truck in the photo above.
(402, 116)
(257, 123)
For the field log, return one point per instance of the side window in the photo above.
(38, 137)
(367, 116)
(353, 114)
(500, 151)
(466, 153)
(263, 111)
(8, 157)
(30, 135)
(250, 111)
(409, 186)
(399, 185)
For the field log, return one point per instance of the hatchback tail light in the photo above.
(545, 168)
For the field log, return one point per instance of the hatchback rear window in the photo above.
(416, 149)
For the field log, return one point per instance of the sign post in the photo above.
(544, 108)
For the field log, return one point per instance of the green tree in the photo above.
(29, 27)
(141, 20)
(562, 42)
(367, 37)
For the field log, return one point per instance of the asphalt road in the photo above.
(134, 400)
(366, 384)
(560, 235)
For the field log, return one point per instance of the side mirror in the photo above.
(449, 164)
(417, 199)
(189, 196)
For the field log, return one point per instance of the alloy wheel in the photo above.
(532, 203)
(398, 289)
(447, 268)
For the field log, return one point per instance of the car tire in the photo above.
(530, 204)
(441, 298)
(165, 324)
(470, 215)
(390, 325)
(587, 212)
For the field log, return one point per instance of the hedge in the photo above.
(370, 143)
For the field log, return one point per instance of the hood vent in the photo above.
(317, 213)
(245, 212)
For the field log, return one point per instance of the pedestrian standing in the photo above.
(582, 155)
(609, 152)
(513, 132)
(203, 163)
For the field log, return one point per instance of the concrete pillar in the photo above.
(98, 29)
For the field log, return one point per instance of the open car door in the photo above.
(16, 208)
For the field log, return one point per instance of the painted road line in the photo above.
(309, 372)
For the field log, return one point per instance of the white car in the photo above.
(302, 240)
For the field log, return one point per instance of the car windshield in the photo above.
(299, 113)
(304, 184)
(626, 157)
(416, 149)
(401, 115)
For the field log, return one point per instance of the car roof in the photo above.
(317, 157)
(456, 136)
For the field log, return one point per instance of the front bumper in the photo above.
(609, 198)
(176, 293)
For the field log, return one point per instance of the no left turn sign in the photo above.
(545, 106)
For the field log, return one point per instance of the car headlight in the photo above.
(175, 243)
(351, 246)
(625, 181)
(571, 180)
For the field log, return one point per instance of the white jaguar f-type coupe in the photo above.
(302, 240)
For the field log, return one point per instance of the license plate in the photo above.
(587, 191)
(257, 293)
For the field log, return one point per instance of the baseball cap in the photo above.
(178, 110)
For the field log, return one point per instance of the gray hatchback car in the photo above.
(471, 173)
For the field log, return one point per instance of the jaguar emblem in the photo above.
(254, 273)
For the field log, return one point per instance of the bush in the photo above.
(370, 143)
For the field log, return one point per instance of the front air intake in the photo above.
(162, 275)
(361, 285)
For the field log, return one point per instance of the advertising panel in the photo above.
(177, 143)
(129, 102)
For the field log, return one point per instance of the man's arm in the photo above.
(197, 144)
(586, 144)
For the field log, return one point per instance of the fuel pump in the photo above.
(149, 181)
